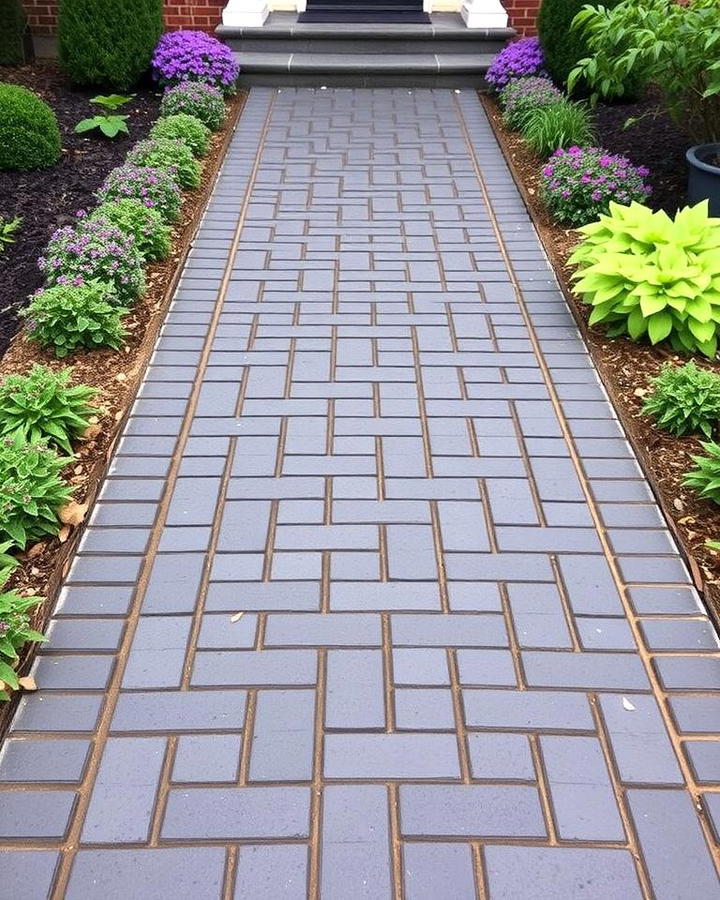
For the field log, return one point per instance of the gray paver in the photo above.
(423, 592)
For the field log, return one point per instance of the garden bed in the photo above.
(46, 199)
(625, 366)
(116, 374)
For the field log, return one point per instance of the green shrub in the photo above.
(15, 630)
(522, 96)
(31, 491)
(44, 406)
(13, 32)
(185, 128)
(67, 317)
(29, 134)
(647, 274)
(145, 224)
(108, 43)
(684, 399)
(563, 47)
(204, 101)
(558, 126)
(704, 479)
(175, 156)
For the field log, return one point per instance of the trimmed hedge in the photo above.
(108, 43)
(29, 134)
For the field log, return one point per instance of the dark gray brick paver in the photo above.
(367, 640)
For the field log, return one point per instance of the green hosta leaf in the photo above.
(659, 326)
(113, 125)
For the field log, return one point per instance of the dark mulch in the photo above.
(49, 198)
(656, 141)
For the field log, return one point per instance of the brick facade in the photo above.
(205, 15)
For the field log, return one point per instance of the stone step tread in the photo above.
(420, 63)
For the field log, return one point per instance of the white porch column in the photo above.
(484, 14)
(245, 13)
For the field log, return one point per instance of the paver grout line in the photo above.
(316, 796)
(632, 618)
(70, 847)
(543, 791)
(566, 608)
(230, 873)
(532, 487)
(478, 871)
(163, 791)
(395, 842)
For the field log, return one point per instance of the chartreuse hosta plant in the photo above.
(15, 630)
(685, 400)
(704, 479)
(44, 406)
(646, 274)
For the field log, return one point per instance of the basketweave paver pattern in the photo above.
(375, 601)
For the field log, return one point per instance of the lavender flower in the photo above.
(578, 184)
(194, 98)
(520, 58)
(155, 188)
(522, 96)
(194, 56)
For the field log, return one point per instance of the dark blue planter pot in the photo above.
(703, 177)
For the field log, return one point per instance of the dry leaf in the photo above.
(121, 376)
(63, 534)
(36, 550)
(73, 513)
(34, 570)
(237, 617)
(678, 504)
(92, 431)
(27, 683)
(640, 392)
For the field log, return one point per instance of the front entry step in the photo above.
(444, 53)
(365, 11)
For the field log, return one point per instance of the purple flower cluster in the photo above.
(94, 251)
(522, 96)
(155, 188)
(578, 184)
(194, 56)
(524, 57)
(194, 98)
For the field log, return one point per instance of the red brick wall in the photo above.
(205, 14)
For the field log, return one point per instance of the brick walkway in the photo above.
(376, 601)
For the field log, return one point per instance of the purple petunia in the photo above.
(578, 184)
(524, 57)
(194, 56)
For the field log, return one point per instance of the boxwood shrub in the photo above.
(29, 134)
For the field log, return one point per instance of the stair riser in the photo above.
(421, 82)
(339, 45)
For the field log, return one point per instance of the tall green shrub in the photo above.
(562, 46)
(108, 43)
(13, 28)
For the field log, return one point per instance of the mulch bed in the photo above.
(116, 375)
(624, 366)
(46, 199)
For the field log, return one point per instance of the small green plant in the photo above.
(646, 274)
(107, 120)
(558, 126)
(522, 96)
(145, 224)
(44, 406)
(204, 101)
(174, 156)
(8, 227)
(67, 317)
(704, 479)
(185, 128)
(684, 400)
(29, 133)
(15, 632)
(31, 491)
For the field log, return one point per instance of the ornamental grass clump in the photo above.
(578, 184)
(185, 128)
(193, 98)
(172, 155)
(646, 274)
(520, 97)
(94, 251)
(153, 187)
(144, 224)
(524, 57)
(194, 56)
(704, 479)
(31, 491)
(66, 318)
(43, 406)
(684, 400)
(558, 126)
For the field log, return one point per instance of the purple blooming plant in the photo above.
(98, 252)
(194, 56)
(155, 188)
(578, 184)
(524, 57)
(522, 96)
(194, 98)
